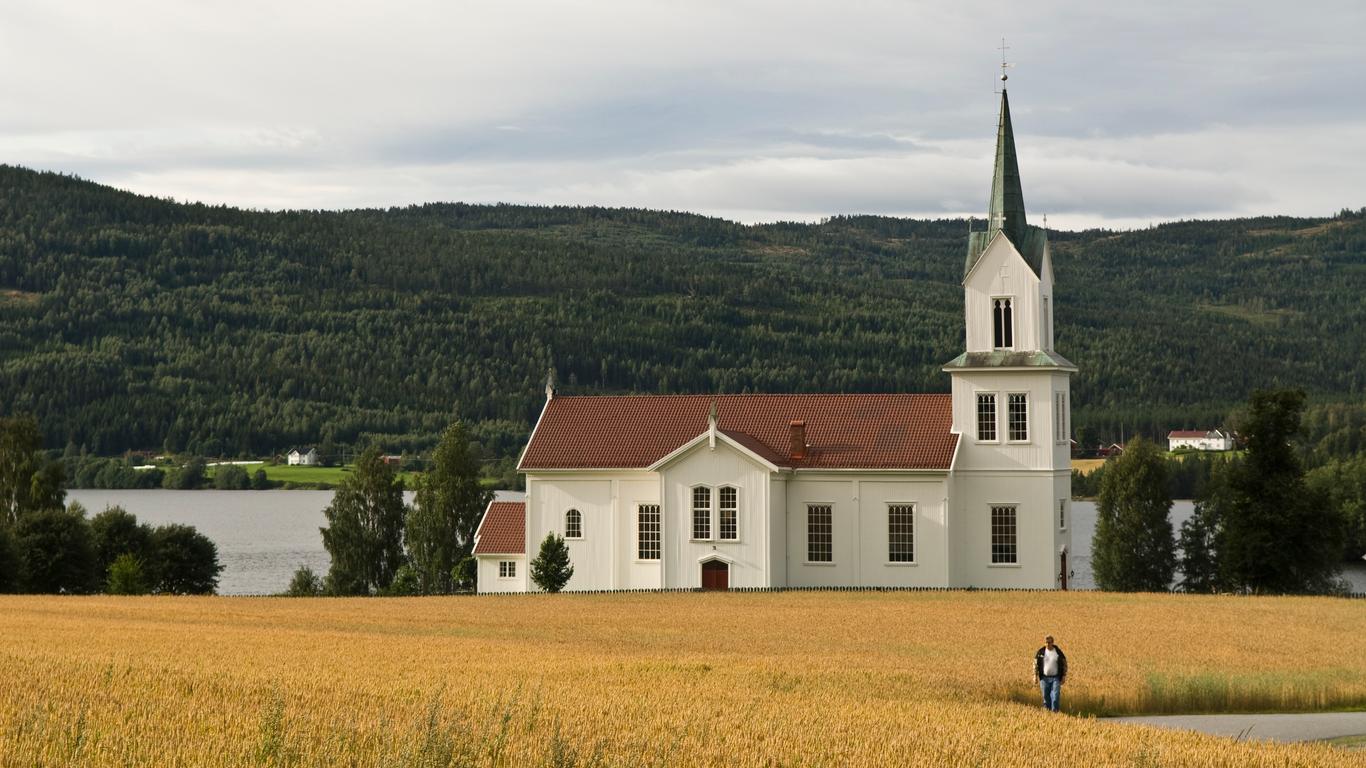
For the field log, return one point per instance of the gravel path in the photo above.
(1313, 726)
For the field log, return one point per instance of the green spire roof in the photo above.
(1006, 210)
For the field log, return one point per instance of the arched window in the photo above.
(728, 513)
(1002, 324)
(573, 524)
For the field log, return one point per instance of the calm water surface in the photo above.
(263, 536)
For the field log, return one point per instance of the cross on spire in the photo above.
(1004, 64)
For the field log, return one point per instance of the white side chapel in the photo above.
(969, 489)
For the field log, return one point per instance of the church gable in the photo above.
(1000, 254)
(720, 441)
(1003, 302)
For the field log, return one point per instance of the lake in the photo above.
(264, 536)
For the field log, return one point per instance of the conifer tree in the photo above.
(1199, 548)
(551, 569)
(1274, 533)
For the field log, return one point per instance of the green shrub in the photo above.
(126, 576)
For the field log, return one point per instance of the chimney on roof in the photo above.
(797, 441)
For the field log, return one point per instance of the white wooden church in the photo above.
(968, 489)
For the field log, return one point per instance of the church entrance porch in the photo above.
(715, 575)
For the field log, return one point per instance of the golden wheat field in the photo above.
(797, 678)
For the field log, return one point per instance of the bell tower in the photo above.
(1011, 396)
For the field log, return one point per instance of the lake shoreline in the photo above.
(263, 537)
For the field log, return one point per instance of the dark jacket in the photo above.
(1062, 664)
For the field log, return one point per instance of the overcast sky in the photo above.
(1125, 113)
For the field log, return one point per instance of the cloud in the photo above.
(750, 110)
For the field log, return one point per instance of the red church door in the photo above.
(715, 575)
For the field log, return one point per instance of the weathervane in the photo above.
(1004, 64)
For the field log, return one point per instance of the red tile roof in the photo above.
(843, 431)
(503, 529)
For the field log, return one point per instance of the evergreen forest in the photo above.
(135, 323)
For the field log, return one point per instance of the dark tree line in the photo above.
(47, 546)
(132, 323)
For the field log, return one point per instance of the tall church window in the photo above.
(701, 512)
(728, 513)
(573, 524)
(1060, 416)
(1002, 324)
(1062, 514)
(1047, 326)
(1017, 417)
(986, 417)
(1003, 551)
(901, 533)
(647, 532)
(819, 533)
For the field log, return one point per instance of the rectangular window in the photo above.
(507, 569)
(729, 514)
(647, 532)
(1057, 417)
(1062, 514)
(986, 417)
(1060, 416)
(701, 512)
(819, 533)
(1017, 413)
(1047, 326)
(1003, 535)
(1066, 418)
(1002, 324)
(901, 533)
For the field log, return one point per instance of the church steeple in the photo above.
(1006, 209)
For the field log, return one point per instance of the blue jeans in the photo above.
(1051, 687)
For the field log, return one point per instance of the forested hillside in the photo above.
(129, 322)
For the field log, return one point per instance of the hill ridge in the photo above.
(128, 321)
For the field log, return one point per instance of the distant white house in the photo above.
(305, 457)
(1199, 440)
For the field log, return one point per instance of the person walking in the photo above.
(1050, 672)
